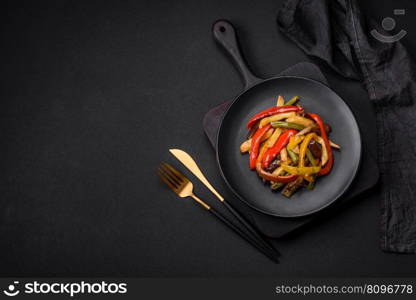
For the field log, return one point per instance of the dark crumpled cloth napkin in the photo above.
(337, 32)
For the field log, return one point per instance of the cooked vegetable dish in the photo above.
(289, 148)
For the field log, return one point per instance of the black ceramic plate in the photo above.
(314, 97)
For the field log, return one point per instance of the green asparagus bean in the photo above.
(276, 185)
(293, 156)
(287, 125)
(312, 159)
(292, 101)
(311, 185)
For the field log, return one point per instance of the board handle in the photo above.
(225, 35)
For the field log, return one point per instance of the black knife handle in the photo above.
(249, 227)
(243, 235)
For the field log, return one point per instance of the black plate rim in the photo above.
(342, 192)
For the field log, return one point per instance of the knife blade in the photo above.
(190, 163)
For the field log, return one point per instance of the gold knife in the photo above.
(189, 162)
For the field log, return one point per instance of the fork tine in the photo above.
(173, 172)
(166, 180)
(171, 176)
(163, 173)
(178, 174)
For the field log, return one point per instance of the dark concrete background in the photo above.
(93, 93)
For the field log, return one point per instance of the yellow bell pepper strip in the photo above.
(280, 101)
(296, 149)
(300, 120)
(329, 164)
(271, 177)
(294, 140)
(304, 151)
(293, 100)
(303, 147)
(324, 155)
(287, 125)
(273, 111)
(281, 142)
(255, 145)
(301, 170)
(277, 117)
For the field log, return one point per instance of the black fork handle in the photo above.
(249, 227)
(237, 230)
(270, 254)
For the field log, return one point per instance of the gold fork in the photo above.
(181, 185)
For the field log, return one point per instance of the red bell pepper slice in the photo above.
(281, 142)
(271, 177)
(255, 144)
(328, 166)
(272, 111)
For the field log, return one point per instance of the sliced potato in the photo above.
(324, 155)
(304, 131)
(273, 138)
(245, 146)
(301, 121)
(333, 145)
(283, 155)
(268, 134)
(280, 101)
